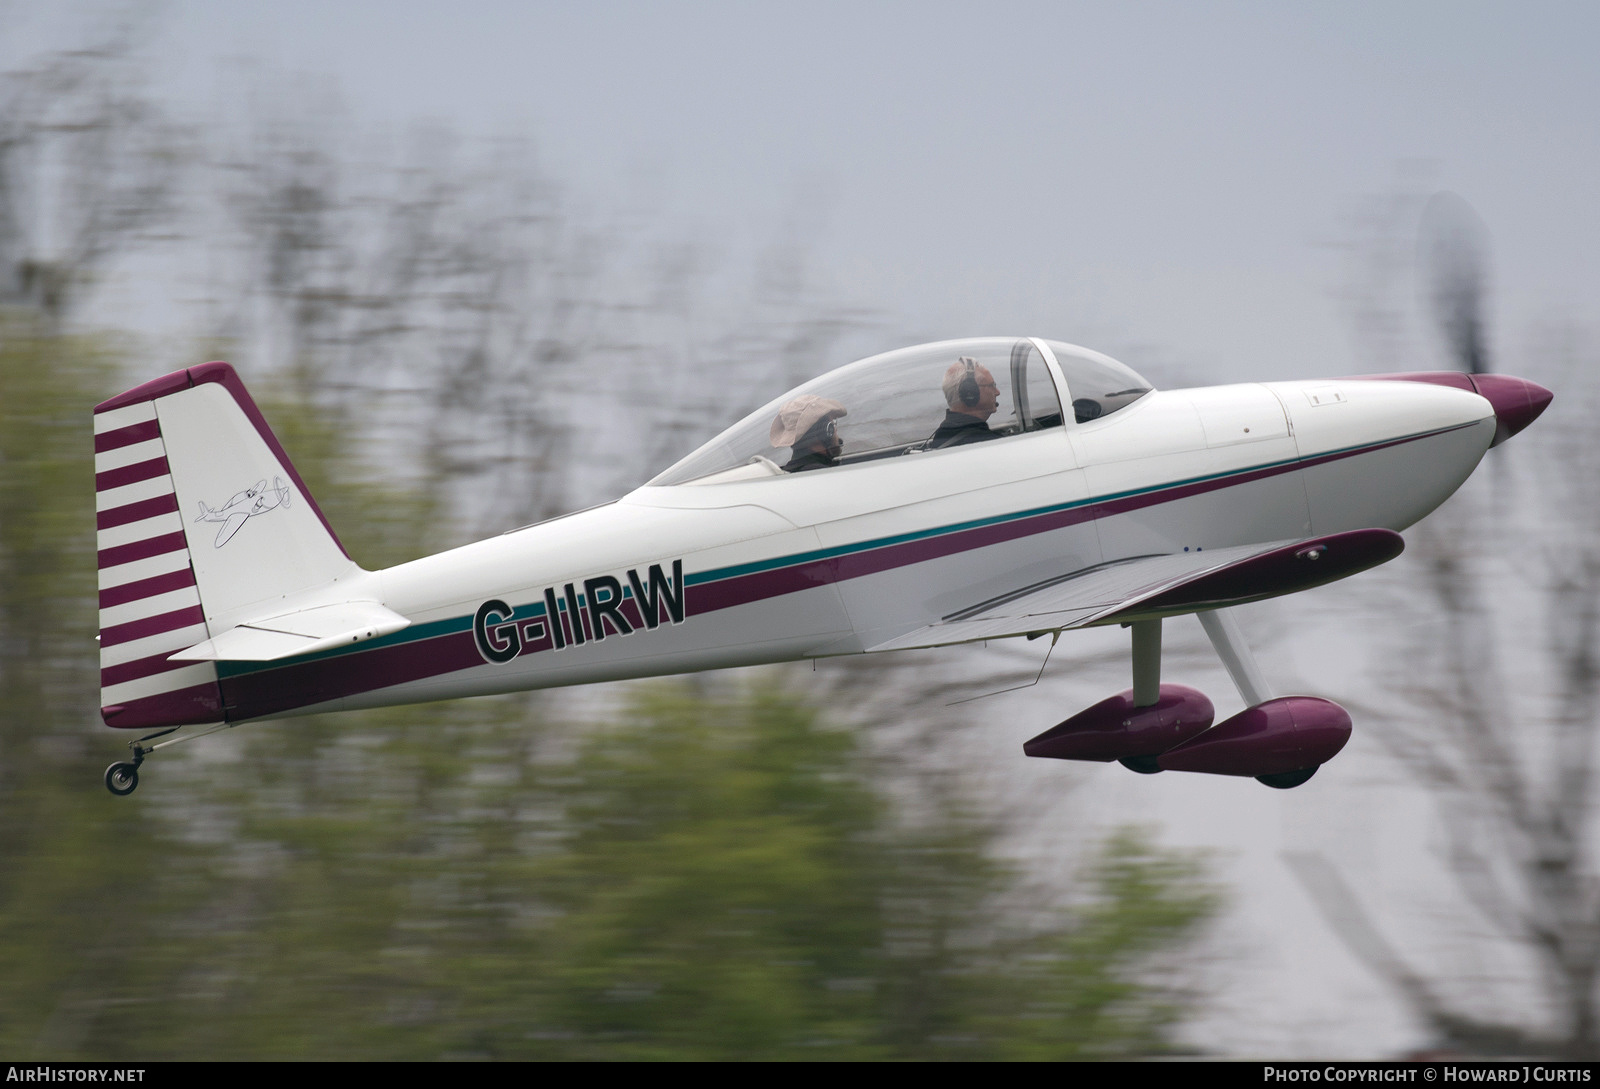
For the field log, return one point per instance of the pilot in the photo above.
(971, 393)
(806, 424)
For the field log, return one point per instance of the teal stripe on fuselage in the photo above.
(720, 573)
(436, 628)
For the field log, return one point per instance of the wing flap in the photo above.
(1163, 585)
(304, 631)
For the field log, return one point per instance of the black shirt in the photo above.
(811, 459)
(959, 429)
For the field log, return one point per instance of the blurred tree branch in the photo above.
(89, 169)
(1503, 717)
(1511, 763)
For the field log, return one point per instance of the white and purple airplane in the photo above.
(947, 493)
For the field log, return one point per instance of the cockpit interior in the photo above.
(925, 400)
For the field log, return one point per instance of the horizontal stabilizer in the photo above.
(302, 632)
(1164, 585)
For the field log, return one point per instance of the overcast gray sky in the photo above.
(1165, 176)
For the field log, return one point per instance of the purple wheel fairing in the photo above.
(1114, 729)
(1282, 735)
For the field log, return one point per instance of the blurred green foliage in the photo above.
(712, 873)
(380, 521)
(729, 884)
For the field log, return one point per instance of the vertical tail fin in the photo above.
(198, 527)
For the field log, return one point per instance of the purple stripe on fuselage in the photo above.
(185, 707)
(742, 589)
(858, 564)
(1340, 455)
(1123, 504)
(136, 512)
(127, 436)
(151, 625)
(143, 588)
(1200, 487)
(272, 691)
(131, 474)
(634, 613)
(143, 550)
(726, 593)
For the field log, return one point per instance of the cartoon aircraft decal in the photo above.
(252, 501)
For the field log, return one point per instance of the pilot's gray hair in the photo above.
(956, 372)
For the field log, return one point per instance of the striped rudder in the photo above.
(149, 603)
(183, 464)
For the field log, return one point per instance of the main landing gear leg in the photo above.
(1230, 646)
(1146, 682)
(1146, 662)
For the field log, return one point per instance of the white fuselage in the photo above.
(787, 566)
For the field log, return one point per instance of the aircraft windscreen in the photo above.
(919, 400)
(1097, 384)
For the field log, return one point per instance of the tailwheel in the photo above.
(122, 778)
(1288, 780)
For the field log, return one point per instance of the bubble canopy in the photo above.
(895, 403)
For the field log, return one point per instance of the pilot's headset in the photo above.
(968, 391)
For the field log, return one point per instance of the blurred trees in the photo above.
(502, 351)
(88, 171)
(1503, 727)
(69, 867)
(716, 873)
(1496, 686)
(731, 886)
(712, 876)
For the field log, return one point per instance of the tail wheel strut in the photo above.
(122, 777)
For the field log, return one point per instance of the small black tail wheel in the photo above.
(1144, 765)
(122, 778)
(1288, 780)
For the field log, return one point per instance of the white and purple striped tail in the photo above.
(149, 602)
(181, 464)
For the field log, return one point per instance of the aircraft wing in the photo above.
(301, 632)
(1145, 587)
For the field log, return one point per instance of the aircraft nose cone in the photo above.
(1517, 402)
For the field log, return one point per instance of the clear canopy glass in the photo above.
(1099, 385)
(914, 400)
